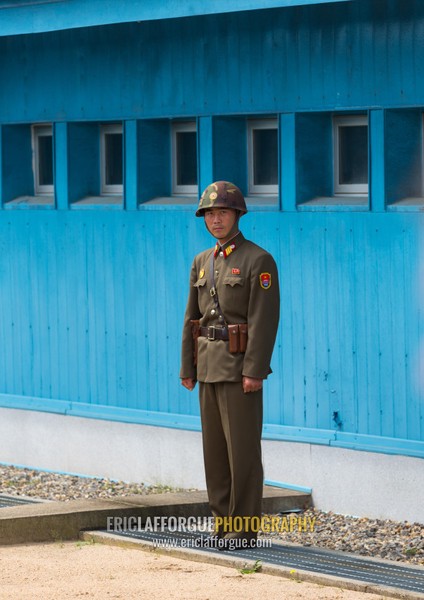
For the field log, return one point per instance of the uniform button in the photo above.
(221, 254)
(216, 272)
(213, 311)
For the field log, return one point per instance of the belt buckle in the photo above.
(211, 336)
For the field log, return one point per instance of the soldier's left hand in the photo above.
(250, 384)
(188, 383)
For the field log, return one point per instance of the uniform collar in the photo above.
(230, 246)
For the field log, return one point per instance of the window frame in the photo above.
(110, 189)
(37, 131)
(252, 125)
(183, 190)
(352, 189)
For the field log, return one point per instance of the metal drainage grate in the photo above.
(6, 501)
(307, 559)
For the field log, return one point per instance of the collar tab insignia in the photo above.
(227, 250)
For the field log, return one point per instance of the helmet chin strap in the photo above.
(235, 227)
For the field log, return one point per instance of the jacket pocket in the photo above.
(200, 282)
(232, 281)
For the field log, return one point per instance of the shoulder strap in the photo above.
(213, 291)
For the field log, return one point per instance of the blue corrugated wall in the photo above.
(91, 302)
(92, 305)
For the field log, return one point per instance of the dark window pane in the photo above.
(186, 158)
(265, 157)
(45, 160)
(353, 155)
(113, 158)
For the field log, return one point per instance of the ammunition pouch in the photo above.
(237, 338)
(236, 335)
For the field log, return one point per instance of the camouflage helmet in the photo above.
(221, 194)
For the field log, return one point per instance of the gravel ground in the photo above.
(53, 486)
(391, 540)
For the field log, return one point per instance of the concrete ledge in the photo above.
(173, 457)
(55, 521)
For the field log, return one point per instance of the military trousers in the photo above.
(231, 433)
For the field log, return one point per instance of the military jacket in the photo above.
(246, 280)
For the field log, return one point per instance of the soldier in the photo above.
(229, 332)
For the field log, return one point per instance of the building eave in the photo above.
(39, 16)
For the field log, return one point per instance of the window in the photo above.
(350, 155)
(263, 156)
(111, 159)
(42, 150)
(184, 158)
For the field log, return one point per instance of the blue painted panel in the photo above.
(83, 160)
(312, 58)
(376, 159)
(131, 162)
(205, 152)
(40, 16)
(314, 156)
(1, 168)
(16, 164)
(92, 305)
(229, 150)
(403, 149)
(288, 157)
(155, 168)
(60, 162)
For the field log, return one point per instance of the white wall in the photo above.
(344, 481)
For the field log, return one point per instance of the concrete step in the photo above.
(56, 521)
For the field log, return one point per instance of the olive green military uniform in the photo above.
(246, 281)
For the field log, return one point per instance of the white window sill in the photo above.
(189, 202)
(35, 202)
(262, 201)
(345, 202)
(407, 204)
(91, 202)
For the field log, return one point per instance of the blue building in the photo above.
(113, 118)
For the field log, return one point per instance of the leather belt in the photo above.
(214, 333)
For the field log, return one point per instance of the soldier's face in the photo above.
(220, 222)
